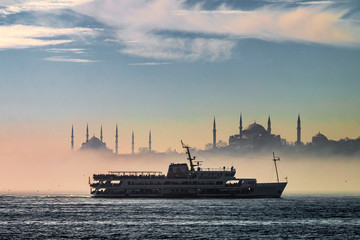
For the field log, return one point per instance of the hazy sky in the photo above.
(171, 66)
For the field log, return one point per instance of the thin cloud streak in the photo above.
(315, 2)
(24, 36)
(66, 59)
(148, 64)
(37, 5)
(66, 50)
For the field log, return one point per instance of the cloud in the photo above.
(149, 64)
(305, 2)
(174, 30)
(13, 7)
(171, 48)
(23, 36)
(315, 2)
(138, 37)
(66, 50)
(156, 28)
(67, 59)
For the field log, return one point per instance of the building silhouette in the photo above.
(87, 132)
(132, 142)
(72, 137)
(298, 134)
(94, 143)
(214, 134)
(150, 141)
(116, 140)
(254, 136)
(98, 144)
(319, 140)
(240, 127)
(320, 144)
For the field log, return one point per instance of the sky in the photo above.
(171, 67)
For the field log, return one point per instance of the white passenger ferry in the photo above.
(181, 181)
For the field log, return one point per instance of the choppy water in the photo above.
(291, 217)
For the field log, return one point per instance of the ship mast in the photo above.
(275, 159)
(189, 155)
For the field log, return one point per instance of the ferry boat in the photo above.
(181, 182)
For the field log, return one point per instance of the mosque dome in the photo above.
(255, 128)
(94, 143)
(94, 140)
(319, 139)
(320, 136)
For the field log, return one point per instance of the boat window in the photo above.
(233, 182)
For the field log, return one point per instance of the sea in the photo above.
(82, 217)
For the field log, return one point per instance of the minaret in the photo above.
(116, 140)
(101, 136)
(87, 132)
(214, 135)
(150, 141)
(298, 141)
(240, 127)
(132, 142)
(269, 125)
(72, 137)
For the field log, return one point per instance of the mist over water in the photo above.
(36, 169)
(41, 162)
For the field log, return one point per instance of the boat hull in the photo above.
(261, 190)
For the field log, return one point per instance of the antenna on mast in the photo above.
(189, 155)
(275, 159)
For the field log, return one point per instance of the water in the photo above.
(291, 217)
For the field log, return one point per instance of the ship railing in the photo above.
(218, 169)
(97, 177)
(135, 173)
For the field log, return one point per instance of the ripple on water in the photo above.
(292, 217)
